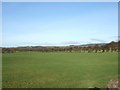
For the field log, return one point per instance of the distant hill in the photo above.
(93, 44)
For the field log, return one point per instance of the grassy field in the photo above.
(56, 70)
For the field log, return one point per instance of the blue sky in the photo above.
(59, 23)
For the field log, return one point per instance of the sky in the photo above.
(58, 23)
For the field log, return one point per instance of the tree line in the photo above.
(109, 47)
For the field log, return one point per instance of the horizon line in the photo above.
(57, 45)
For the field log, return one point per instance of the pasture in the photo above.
(58, 69)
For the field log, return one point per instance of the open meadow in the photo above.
(58, 69)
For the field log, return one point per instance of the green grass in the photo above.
(57, 70)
